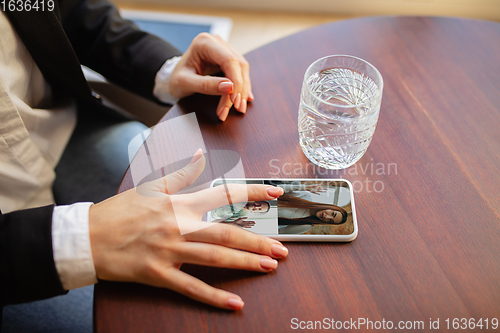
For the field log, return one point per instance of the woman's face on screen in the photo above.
(330, 216)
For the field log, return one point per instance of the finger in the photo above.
(251, 97)
(198, 290)
(227, 60)
(205, 84)
(236, 238)
(221, 256)
(247, 85)
(237, 101)
(176, 181)
(246, 92)
(232, 193)
(223, 107)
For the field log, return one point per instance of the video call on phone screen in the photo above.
(306, 207)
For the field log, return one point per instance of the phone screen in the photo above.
(307, 207)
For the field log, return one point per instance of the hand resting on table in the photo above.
(135, 235)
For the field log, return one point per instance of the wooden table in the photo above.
(427, 190)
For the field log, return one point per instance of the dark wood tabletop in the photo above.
(427, 190)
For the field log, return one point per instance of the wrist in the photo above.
(71, 245)
(161, 88)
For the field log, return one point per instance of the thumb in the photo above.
(184, 177)
(207, 85)
(175, 181)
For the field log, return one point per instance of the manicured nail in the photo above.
(235, 303)
(250, 96)
(237, 101)
(279, 251)
(274, 191)
(268, 264)
(223, 115)
(243, 106)
(197, 156)
(226, 87)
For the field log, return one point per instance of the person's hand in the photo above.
(209, 54)
(241, 222)
(135, 236)
(244, 223)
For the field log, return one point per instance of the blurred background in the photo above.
(247, 25)
(259, 22)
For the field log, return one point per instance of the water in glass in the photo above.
(338, 113)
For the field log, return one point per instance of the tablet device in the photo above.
(179, 29)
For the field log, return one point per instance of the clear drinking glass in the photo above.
(339, 108)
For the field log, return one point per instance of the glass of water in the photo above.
(339, 108)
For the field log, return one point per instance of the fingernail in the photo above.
(237, 101)
(196, 156)
(279, 251)
(224, 113)
(243, 106)
(268, 263)
(274, 191)
(226, 87)
(235, 303)
(250, 96)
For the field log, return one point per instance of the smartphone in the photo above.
(310, 210)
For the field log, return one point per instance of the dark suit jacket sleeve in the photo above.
(27, 268)
(113, 46)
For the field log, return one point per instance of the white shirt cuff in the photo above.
(162, 80)
(71, 245)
